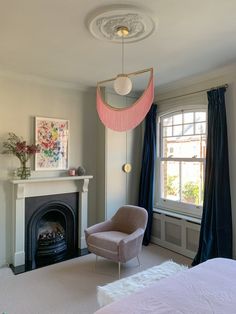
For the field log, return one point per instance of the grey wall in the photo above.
(20, 101)
(91, 144)
(117, 148)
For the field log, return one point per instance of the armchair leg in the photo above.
(95, 265)
(119, 269)
(138, 262)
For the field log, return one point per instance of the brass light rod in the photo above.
(129, 74)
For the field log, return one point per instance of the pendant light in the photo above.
(122, 84)
(123, 119)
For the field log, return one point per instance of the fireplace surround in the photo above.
(56, 198)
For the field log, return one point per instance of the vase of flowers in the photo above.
(17, 146)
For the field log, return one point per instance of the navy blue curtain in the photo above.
(216, 226)
(146, 185)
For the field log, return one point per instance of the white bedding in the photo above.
(116, 290)
(207, 288)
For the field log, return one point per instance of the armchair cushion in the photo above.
(106, 243)
(100, 227)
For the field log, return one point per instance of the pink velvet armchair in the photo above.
(120, 238)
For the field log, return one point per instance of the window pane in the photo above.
(200, 116)
(170, 180)
(167, 131)
(177, 119)
(168, 147)
(192, 182)
(167, 121)
(184, 146)
(188, 129)
(177, 130)
(200, 128)
(188, 117)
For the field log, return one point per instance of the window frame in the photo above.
(170, 205)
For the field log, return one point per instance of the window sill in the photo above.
(177, 215)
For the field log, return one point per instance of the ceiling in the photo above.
(50, 39)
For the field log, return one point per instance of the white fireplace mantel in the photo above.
(40, 187)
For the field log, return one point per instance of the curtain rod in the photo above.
(197, 92)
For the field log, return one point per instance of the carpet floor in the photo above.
(70, 287)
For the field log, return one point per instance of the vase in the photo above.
(23, 172)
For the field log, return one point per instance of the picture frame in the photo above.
(52, 135)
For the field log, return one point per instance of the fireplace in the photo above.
(51, 229)
(49, 218)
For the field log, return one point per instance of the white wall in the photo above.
(205, 81)
(21, 100)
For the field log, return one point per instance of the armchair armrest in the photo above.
(130, 246)
(102, 226)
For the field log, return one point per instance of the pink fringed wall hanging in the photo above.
(126, 118)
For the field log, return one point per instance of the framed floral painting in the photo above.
(52, 135)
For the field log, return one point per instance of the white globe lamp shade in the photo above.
(122, 85)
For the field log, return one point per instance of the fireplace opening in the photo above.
(51, 229)
(51, 240)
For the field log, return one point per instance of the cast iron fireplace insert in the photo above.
(51, 229)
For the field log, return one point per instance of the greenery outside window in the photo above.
(181, 161)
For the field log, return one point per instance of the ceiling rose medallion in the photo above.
(104, 23)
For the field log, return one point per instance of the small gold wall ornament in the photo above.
(127, 167)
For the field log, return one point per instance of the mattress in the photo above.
(207, 288)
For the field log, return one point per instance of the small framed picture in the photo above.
(52, 135)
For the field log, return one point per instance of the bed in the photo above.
(207, 288)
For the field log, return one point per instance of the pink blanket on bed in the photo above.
(207, 288)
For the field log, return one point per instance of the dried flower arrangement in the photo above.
(15, 145)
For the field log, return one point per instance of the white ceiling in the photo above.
(49, 38)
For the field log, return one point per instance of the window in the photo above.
(181, 161)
